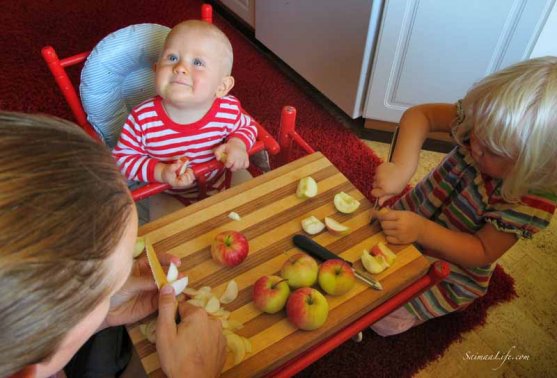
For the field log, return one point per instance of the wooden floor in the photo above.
(525, 329)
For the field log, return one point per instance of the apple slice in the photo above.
(381, 249)
(345, 203)
(370, 263)
(234, 216)
(139, 246)
(335, 227)
(307, 188)
(312, 225)
(213, 305)
(230, 293)
(237, 346)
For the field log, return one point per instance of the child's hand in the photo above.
(401, 227)
(233, 154)
(388, 182)
(172, 175)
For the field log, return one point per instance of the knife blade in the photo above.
(317, 250)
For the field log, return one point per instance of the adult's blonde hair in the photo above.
(64, 207)
(214, 32)
(514, 114)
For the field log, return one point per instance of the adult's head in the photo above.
(68, 226)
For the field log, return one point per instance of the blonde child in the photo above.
(497, 186)
(68, 230)
(192, 119)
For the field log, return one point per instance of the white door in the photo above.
(245, 9)
(433, 51)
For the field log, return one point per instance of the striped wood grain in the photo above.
(270, 215)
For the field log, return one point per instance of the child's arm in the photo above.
(460, 248)
(234, 153)
(416, 122)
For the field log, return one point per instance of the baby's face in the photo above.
(191, 69)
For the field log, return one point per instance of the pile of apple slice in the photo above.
(378, 259)
(204, 298)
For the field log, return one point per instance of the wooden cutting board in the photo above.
(270, 215)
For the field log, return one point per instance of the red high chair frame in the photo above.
(264, 141)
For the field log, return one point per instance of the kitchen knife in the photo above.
(317, 250)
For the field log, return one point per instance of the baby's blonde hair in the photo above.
(514, 114)
(215, 32)
(64, 207)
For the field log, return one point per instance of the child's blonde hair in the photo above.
(513, 112)
(216, 33)
(64, 207)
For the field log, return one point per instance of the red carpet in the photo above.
(73, 26)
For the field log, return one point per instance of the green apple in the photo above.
(345, 203)
(307, 309)
(336, 277)
(335, 227)
(300, 270)
(312, 225)
(307, 188)
(270, 294)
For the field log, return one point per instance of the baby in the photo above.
(192, 119)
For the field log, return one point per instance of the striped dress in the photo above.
(459, 197)
(149, 136)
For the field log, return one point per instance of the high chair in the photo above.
(265, 142)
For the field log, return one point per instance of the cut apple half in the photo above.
(307, 188)
(335, 227)
(312, 225)
(345, 203)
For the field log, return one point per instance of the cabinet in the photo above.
(433, 51)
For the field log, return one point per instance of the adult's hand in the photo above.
(195, 347)
(138, 297)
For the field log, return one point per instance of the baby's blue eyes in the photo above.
(198, 62)
(172, 58)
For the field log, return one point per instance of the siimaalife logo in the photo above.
(509, 355)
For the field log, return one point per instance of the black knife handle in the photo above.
(313, 248)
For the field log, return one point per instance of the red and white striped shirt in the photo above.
(149, 136)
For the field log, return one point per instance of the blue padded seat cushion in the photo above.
(118, 75)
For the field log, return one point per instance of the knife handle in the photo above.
(313, 248)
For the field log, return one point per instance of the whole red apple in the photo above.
(270, 294)
(307, 309)
(229, 248)
(300, 270)
(336, 277)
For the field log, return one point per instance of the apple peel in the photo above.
(139, 246)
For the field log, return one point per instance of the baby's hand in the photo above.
(233, 154)
(388, 182)
(401, 227)
(175, 175)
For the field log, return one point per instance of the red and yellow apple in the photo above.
(229, 248)
(336, 277)
(307, 309)
(270, 294)
(300, 270)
